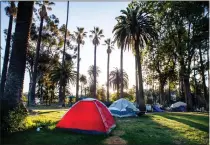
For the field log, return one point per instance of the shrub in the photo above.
(12, 119)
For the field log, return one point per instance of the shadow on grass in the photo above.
(49, 135)
(47, 112)
(187, 122)
(143, 130)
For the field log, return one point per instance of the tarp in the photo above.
(88, 116)
(123, 108)
(179, 109)
(157, 109)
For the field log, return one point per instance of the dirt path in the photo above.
(116, 139)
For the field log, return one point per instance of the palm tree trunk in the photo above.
(107, 94)
(136, 75)
(6, 55)
(77, 86)
(81, 90)
(64, 95)
(64, 51)
(121, 73)
(95, 72)
(33, 88)
(16, 71)
(203, 78)
(141, 102)
(60, 92)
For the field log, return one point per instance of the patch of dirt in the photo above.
(115, 140)
(118, 132)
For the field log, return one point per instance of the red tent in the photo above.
(88, 116)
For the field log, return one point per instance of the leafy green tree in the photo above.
(96, 35)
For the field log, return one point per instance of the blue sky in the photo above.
(87, 15)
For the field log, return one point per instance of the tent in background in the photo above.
(179, 106)
(123, 108)
(88, 116)
(156, 108)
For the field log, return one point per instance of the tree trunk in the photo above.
(118, 85)
(63, 59)
(6, 56)
(64, 96)
(78, 62)
(203, 78)
(169, 91)
(121, 73)
(141, 102)
(33, 88)
(188, 93)
(162, 97)
(41, 94)
(107, 94)
(136, 75)
(60, 93)
(16, 71)
(94, 72)
(81, 91)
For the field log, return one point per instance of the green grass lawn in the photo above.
(156, 128)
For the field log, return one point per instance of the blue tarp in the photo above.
(157, 109)
(179, 109)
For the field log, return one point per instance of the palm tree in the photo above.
(115, 80)
(62, 82)
(11, 11)
(83, 81)
(91, 72)
(15, 77)
(139, 27)
(110, 46)
(65, 74)
(43, 15)
(96, 35)
(80, 34)
(122, 38)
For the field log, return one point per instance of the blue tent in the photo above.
(157, 109)
(123, 108)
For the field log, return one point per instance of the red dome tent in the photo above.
(88, 116)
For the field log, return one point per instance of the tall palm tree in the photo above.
(83, 81)
(115, 80)
(11, 11)
(45, 5)
(110, 46)
(79, 35)
(64, 74)
(62, 82)
(122, 38)
(140, 27)
(15, 77)
(96, 35)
